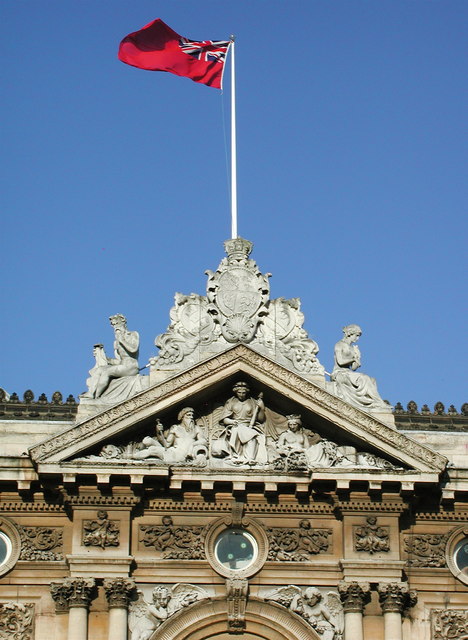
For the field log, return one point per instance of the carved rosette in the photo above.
(72, 592)
(396, 597)
(118, 592)
(449, 624)
(354, 595)
(16, 621)
(236, 591)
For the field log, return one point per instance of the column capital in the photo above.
(396, 596)
(72, 592)
(354, 595)
(118, 592)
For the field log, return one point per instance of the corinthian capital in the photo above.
(72, 592)
(118, 592)
(354, 595)
(396, 597)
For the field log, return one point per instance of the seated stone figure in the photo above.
(294, 439)
(243, 441)
(124, 363)
(183, 442)
(353, 387)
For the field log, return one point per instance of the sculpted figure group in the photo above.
(242, 437)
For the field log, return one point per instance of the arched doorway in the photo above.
(208, 621)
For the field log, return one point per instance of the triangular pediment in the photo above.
(210, 382)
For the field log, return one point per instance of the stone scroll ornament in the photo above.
(322, 610)
(297, 545)
(236, 309)
(426, 549)
(145, 617)
(16, 621)
(41, 544)
(449, 624)
(172, 542)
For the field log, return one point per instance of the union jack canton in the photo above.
(206, 50)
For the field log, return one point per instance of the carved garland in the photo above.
(157, 393)
(426, 549)
(174, 542)
(299, 544)
(41, 544)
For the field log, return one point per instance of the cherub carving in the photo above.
(324, 612)
(144, 617)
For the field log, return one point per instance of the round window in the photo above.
(235, 549)
(460, 554)
(5, 548)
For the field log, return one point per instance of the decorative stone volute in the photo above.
(354, 595)
(396, 597)
(118, 592)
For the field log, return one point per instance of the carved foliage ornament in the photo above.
(297, 545)
(16, 621)
(322, 610)
(449, 624)
(174, 542)
(101, 532)
(41, 543)
(426, 549)
(371, 538)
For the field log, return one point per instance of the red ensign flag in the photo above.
(157, 47)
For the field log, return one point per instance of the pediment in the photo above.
(206, 386)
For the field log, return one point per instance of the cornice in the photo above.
(289, 383)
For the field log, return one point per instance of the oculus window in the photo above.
(235, 549)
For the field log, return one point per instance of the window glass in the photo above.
(5, 547)
(461, 555)
(235, 549)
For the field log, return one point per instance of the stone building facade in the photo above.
(235, 491)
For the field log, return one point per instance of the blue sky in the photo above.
(352, 156)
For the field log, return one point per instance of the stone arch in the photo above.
(207, 620)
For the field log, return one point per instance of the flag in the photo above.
(157, 47)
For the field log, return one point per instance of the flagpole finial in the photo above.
(232, 37)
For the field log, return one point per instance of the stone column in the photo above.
(354, 596)
(74, 595)
(118, 593)
(394, 598)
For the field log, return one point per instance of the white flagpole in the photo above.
(233, 146)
